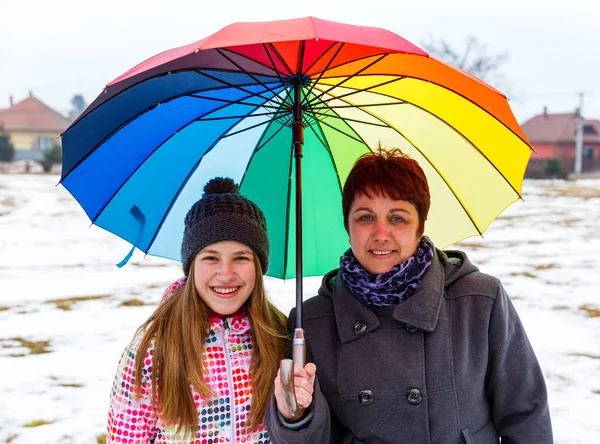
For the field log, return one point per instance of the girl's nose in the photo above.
(226, 271)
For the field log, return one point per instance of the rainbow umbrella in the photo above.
(285, 108)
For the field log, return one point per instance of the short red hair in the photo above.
(390, 173)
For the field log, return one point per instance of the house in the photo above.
(554, 136)
(33, 127)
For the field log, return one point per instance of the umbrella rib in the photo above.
(246, 129)
(152, 152)
(230, 102)
(190, 174)
(300, 57)
(257, 149)
(279, 56)
(322, 73)
(231, 85)
(356, 91)
(400, 102)
(347, 119)
(431, 163)
(252, 76)
(322, 55)
(210, 119)
(340, 131)
(449, 126)
(349, 77)
(328, 149)
(125, 123)
(287, 92)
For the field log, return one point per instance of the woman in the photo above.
(201, 368)
(412, 344)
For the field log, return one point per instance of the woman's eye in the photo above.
(365, 217)
(397, 219)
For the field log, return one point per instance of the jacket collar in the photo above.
(421, 310)
(238, 322)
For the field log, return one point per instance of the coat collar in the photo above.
(421, 310)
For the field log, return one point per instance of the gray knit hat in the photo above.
(222, 214)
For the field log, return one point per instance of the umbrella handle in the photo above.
(286, 367)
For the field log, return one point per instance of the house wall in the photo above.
(23, 140)
(565, 152)
(26, 146)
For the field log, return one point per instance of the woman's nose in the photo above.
(381, 231)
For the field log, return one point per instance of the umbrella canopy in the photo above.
(228, 105)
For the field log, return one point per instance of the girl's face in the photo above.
(224, 275)
(383, 232)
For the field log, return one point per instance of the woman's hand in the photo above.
(304, 382)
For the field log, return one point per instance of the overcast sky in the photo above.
(62, 47)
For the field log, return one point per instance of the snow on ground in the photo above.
(66, 311)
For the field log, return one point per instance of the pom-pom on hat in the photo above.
(222, 214)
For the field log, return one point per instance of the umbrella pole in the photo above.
(298, 344)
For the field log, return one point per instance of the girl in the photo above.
(200, 369)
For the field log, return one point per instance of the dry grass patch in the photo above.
(585, 355)
(561, 307)
(8, 202)
(73, 384)
(145, 264)
(471, 245)
(11, 438)
(101, 439)
(37, 423)
(545, 266)
(133, 303)
(591, 312)
(525, 273)
(35, 347)
(4, 308)
(66, 303)
(583, 192)
(597, 392)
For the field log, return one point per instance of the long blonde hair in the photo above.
(179, 328)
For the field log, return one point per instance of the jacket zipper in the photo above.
(229, 378)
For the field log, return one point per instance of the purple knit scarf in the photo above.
(391, 288)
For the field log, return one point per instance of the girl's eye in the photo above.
(242, 258)
(209, 258)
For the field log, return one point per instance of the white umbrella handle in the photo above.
(288, 391)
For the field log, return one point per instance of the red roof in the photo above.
(32, 115)
(556, 128)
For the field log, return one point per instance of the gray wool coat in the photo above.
(452, 364)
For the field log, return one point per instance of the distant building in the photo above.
(33, 127)
(554, 136)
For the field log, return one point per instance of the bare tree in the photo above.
(472, 57)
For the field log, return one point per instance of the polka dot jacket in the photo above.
(228, 351)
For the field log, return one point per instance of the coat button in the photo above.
(410, 328)
(414, 396)
(365, 397)
(359, 328)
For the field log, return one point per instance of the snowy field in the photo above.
(66, 311)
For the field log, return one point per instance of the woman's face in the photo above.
(383, 232)
(224, 275)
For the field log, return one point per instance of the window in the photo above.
(44, 143)
(589, 129)
(588, 152)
